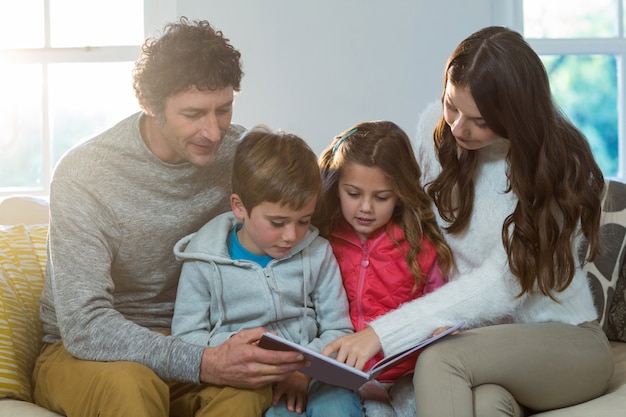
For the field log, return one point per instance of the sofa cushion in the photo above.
(17, 408)
(604, 271)
(611, 404)
(22, 262)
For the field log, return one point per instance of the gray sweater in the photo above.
(116, 211)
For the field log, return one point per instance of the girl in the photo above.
(383, 234)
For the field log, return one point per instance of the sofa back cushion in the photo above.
(23, 209)
(616, 316)
(22, 265)
(605, 271)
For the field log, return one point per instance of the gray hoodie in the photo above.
(299, 296)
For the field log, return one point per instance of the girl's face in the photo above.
(367, 199)
(462, 115)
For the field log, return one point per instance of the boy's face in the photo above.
(272, 229)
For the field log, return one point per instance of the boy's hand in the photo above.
(294, 388)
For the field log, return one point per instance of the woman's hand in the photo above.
(443, 329)
(354, 349)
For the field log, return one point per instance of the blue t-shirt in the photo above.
(236, 251)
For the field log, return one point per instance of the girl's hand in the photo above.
(354, 349)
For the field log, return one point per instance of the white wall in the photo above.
(317, 67)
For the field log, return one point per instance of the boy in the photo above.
(264, 265)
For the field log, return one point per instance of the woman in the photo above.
(515, 188)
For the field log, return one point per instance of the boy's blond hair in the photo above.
(276, 167)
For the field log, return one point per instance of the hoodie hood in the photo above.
(208, 243)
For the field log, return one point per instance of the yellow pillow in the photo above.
(22, 266)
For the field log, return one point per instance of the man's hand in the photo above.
(240, 363)
(354, 349)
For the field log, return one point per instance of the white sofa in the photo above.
(19, 301)
(22, 262)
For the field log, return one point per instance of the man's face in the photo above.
(192, 126)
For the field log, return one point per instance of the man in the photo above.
(118, 204)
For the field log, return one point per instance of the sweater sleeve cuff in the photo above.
(185, 362)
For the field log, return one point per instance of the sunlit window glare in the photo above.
(87, 98)
(584, 81)
(570, 18)
(20, 126)
(54, 98)
(22, 24)
(111, 22)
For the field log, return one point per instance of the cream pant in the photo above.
(507, 369)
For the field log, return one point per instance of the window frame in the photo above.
(511, 14)
(156, 13)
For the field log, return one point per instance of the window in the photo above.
(583, 47)
(66, 76)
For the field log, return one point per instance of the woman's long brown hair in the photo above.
(550, 166)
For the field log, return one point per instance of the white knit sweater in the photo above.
(482, 289)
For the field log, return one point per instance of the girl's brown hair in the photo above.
(550, 165)
(384, 145)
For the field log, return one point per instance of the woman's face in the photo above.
(462, 115)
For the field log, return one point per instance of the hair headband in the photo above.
(341, 139)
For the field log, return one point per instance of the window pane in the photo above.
(20, 126)
(21, 24)
(585, 87)
(87, 98)
(111, 22)
(570, 18)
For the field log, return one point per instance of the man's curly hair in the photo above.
(188, 54)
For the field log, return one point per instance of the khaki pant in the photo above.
(509, 369)
(78, 388)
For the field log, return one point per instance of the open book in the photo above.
(331, 371)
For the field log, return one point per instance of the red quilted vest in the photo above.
(377, 279)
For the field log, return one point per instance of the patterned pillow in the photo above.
(616, 316)
(604, 271)
(22, 262)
